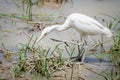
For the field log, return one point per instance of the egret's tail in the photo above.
(107, 32)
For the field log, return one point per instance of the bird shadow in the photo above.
(89, 60)
(95, 60)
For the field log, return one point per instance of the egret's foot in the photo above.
(81, 63)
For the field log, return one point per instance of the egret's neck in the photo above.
(57, 27)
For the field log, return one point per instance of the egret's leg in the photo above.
(84, 43)
(83, 58)
(82, 40)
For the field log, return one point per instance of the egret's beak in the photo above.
(40, 38)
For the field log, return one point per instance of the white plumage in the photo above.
(81, 23)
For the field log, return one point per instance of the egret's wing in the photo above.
(90, 21)
(87, 25)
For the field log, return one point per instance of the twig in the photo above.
(4, 50)
(26, 34)
(72, 71)
(67, 51)
(66, 42)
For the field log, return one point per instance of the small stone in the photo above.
(0, 62)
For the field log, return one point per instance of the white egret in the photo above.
(83, 24)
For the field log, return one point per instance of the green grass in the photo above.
(35, 59)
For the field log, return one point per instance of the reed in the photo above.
(25, 8)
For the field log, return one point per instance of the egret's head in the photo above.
(44, 33)
(47, 30)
